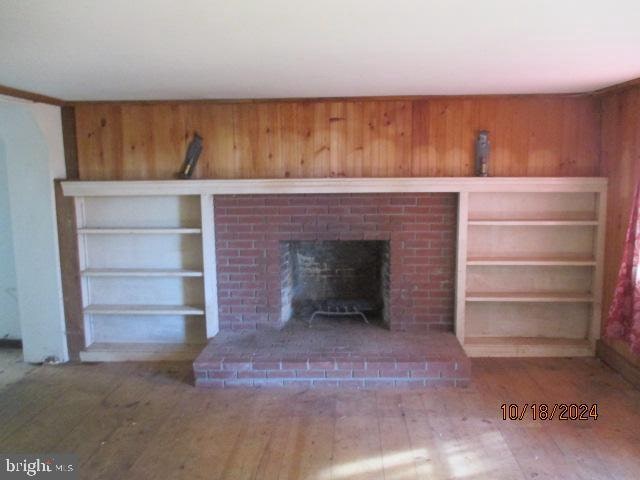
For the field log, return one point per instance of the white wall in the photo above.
(9, 317)
(34, 155)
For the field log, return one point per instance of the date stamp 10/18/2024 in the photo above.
(547, 411)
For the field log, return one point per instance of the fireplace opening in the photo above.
(335, 279)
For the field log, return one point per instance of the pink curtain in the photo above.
(624, 315)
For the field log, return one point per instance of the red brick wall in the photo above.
(420, 227)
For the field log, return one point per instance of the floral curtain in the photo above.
(624, 315)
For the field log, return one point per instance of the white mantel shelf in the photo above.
(332, 185)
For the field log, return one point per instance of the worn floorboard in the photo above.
(146, 421)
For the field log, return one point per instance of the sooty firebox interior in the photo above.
(339, 276)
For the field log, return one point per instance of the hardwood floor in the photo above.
(146, 421)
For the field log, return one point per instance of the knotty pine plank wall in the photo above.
(531, 136)
(621, 163)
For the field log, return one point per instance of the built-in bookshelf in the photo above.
(529, 271)
(528, 278)
(143, 275)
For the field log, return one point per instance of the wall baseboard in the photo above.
(618, 356)
(9, 343)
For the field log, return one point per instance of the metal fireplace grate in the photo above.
(338, 307)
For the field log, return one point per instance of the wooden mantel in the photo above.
(333, 185)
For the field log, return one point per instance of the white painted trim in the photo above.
(138, 231)
(334, 185)
(598, 271)
(461, 265)
(527, 347)
(143, 310)
(83, 263)
(140, 272)
(530, 297)
(209, 264)
(534, 223)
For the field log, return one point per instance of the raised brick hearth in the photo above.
(420, 229)
(332, 353)
(256, 236)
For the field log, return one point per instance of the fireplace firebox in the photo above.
(335, 277)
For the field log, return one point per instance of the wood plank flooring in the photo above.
(146, 421)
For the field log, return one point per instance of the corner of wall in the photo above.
(32, 135)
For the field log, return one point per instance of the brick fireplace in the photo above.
(254, 234)
(279, 256)
(258, 221)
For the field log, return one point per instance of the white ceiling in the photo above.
(189, 49)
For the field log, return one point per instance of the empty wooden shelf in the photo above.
(552, 297)
(527, 347)
(139, 231)
(144, 277)
(143, 310)
(522, 260)
(141, 272)
(534, 223)
(529, 271)
(132, 352)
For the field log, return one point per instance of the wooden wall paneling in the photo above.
(467, 136)
(304, 129)
(617, 355)
(138, 142)
(370, 153)
(337, 125)
(454, 147)
(568, 130)
(589, 140)
(290, 151)
(220, 149)
(110, 134)
(515, 158)
(99, 128)
(419, 137)
(261, 141)
(531, 136)
(68, 241)
(386, 136)
(239, 148)
(355, 152)
(398, 145)
(70, 272)
(170, 137)
(406, 133)
(321, 156)
(438, 112)
(565, 124)
(245, 128)
(70, 142)
(282, 139)
(538, 146)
